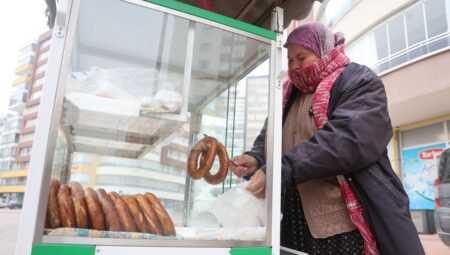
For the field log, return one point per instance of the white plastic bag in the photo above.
(239, 208)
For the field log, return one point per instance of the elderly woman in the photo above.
(340, 194)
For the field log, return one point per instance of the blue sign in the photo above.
(419, 172)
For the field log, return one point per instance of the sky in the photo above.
(21, 21)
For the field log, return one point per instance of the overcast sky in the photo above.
(21, 21)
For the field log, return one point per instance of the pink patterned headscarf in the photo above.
(316, 37)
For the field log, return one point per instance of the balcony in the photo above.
(25, 69)
(13, 189)
(21, 79)
(14, 173)
(413, 53)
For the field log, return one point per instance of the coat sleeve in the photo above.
(444, 166)
(258, 148)
(355, 136)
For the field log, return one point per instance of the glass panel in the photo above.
(396, 34)
(132, 111)
(381, 41)
(448, 130)
(335, 10)
(415, 25)
(439, 44)
(365, 50)
(423, 135)
(436, 17)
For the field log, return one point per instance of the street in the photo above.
(9, 224)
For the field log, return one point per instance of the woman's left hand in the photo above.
(257, 185)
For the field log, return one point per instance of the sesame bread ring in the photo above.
(223, 170)
(141, 224)
(166, 222)
(111, 215)
(81, 213)
(52, 219)
(124, 213)
(95, 211)
(149, 214)
(66, 207)
(207, 146)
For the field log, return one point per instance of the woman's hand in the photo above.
(257, 185)
(245, 165)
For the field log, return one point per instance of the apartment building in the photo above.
(12, 173)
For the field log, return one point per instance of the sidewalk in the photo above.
(433, 245)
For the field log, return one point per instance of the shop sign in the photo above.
(419, 172)
(430, 154)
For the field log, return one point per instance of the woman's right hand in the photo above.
(246, 165)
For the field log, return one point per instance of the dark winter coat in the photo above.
(353, 143)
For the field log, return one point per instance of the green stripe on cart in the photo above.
(251, 251)
(62, 249)
(195, 11)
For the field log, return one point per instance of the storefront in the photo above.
(421, 145)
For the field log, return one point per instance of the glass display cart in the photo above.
(131, 87)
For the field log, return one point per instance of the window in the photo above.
(36, 95)
(38, 82)
(31, 109)
(25, 151)
(335, 10)
(45, 43)
(448, 130)
(41, 68)
(419, 29)
(396, 34)
(31, 123)
(8, 152)
(18, 98)
(26, 138)
(21, 86)
(423, 135)
(381, 42)
(415, 24)
(368, 44)
(436, 17)
(14, 124)
(43, 55)
(11, 138)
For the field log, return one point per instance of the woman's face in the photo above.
(299, 57)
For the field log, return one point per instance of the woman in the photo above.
(340, 194)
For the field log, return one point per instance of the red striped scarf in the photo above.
(319, 78)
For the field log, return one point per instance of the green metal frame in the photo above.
(61, 249)
(251, 251)
(201, 13)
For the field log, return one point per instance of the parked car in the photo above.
(2, 203)
(13, 204)
(442, 198)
